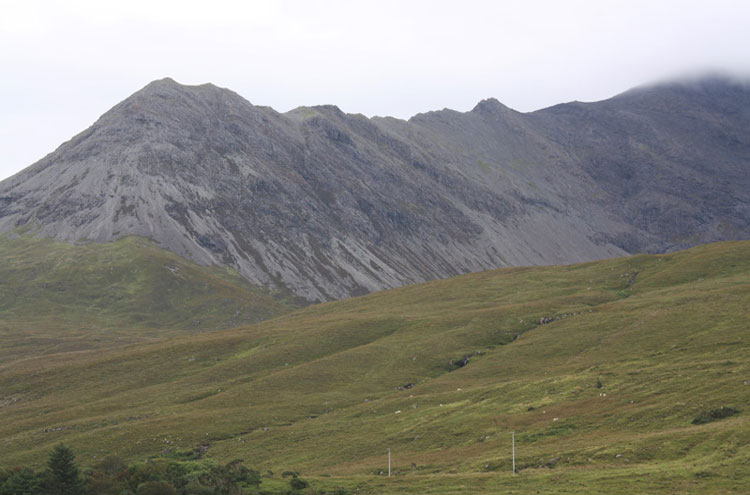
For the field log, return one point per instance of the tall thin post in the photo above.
(389, 463)
(513, 437)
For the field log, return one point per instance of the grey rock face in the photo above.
(332, 205)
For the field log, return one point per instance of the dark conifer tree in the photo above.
(21, 482)
(63, 477)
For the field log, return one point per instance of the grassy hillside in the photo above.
(601, 396)
(59, 297)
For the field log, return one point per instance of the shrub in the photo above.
(155, 488)
(298, 483)
(714, 415)
(196, 488)
(226, 479)
(150, 470)
(112, 465)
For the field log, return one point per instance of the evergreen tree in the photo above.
(63, 477)
(21, 482)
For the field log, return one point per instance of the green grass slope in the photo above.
(327, 389)
(60, 297)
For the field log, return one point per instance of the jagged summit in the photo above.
(166, 99)
(165, 82)
(330, 205)
(167, 90)
(491, 106)
(169, 84)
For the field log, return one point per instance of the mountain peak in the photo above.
(164, 84)
(490, 106)
(165, 81)
(165, 99)
(167, 84)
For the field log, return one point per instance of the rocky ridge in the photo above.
(331, 205)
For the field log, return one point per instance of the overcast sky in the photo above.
(64, 63)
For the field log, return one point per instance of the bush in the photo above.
(714, 415)
(150, 470)
(112, 465)
(298, 483)
(155, 488)
(227, 479)
(196, 488)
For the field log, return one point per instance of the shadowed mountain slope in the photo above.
(330, 205)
